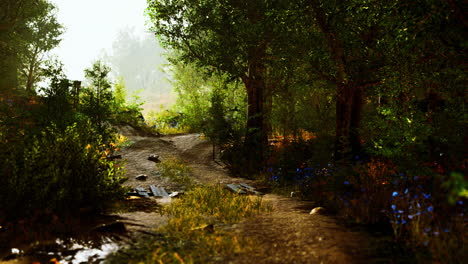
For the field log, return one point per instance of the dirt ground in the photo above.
(289, 234)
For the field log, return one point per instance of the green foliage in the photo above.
(123, 111)
(456, 187)
(104, 106)
(57, 98)
(218, 129)
(58, 171)
(210, 104)
(28, 30)
(97, 99)
(120, 92)
(53, 152)
(167, 122)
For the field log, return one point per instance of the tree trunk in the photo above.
(355, 124)
(349, 95)
(349, 104)
(256, 138)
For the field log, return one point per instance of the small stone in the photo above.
(154, 157)
(116, 227)
(318, 210)
(142, 177)
(174, 194)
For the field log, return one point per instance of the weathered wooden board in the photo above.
(250, 189)
(141, 191)
(246, 186)
(158, 191)
(235, 188)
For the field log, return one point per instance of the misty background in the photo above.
(141, 62)
(116, 32)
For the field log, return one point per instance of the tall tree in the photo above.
(98, 98)
(349, 50)
(45, 33)
(231, 36)
(19, 25)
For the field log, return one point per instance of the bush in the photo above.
(167, 122)
(57, 171)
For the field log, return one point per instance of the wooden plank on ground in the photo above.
(250, 189)
(246, 186)
(141, 191)
(158, 191)
(235, 188)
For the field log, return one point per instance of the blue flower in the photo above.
(436, 233)
(410, 216)
(427, 229)
(400, 211)
(401, 174)
(427, 196)
(430, 208)
(393, 206)
(446, 230)
(460, 202)
(394, 194)
(346, 182)
(406, 190)
(403, 221)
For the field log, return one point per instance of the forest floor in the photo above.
(288, 234)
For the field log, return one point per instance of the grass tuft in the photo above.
(198, 229)
(177, 171)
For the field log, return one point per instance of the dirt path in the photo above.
(289, 234)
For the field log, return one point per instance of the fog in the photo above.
(140, 60)
(115, 31)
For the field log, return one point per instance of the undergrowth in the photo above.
(198, 229)
(177, 171)
(166, 122)
(422, 207)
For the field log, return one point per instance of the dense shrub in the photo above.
(58, 171)
(425, 209)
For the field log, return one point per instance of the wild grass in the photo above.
(198, 229)
(168, 130)
(177, 171)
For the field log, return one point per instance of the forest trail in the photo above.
(288, 234)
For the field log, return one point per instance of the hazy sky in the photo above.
(91, 27)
